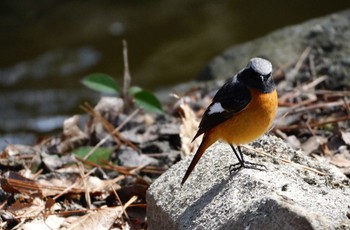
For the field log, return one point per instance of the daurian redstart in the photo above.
(241, 111)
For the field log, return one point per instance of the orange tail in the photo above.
(206, 143)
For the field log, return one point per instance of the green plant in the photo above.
(100, 154)
(104, 83)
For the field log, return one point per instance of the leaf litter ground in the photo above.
(96, 173)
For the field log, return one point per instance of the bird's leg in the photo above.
(242, 163)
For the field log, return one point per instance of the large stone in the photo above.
(328, 37)
(285, 196)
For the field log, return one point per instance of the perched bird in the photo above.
(242, 110)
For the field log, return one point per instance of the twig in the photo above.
(138, 168)
(346, 103)
(286, 161)
(304, 88)
(109, 127)
(85, 184)
(294, 107)
(300, 61)
(314, 124)
(312, 66)
(332, 93)
(314, 83)
(127, 77)
(318, 106)
(66, 190)
(273, 126)
(132, 200)
(128, 171)
(127, 204)
(109, 136)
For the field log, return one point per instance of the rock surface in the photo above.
(285, 196)
(328, 37)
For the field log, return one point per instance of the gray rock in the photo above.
(328, 38)
(285, 196)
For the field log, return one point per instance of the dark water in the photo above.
(48, 46)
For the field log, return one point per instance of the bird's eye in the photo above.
(265, 77)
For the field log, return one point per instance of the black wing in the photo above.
(233, 97)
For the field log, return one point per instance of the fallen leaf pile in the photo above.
(93, 177)
(314, 110)
(96, 173)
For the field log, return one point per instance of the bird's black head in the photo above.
(258, 75)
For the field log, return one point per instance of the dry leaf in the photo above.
(16, 157)
(293, 141)
(71, 127)
(49, 223)
(13, 182)
(72, 135)
(71, 183)
(101, 219)
(27, 208)
(346, 137)
(313, 143)
(340, 160)
(53, 183)
(188, 128)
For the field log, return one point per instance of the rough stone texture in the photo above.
(328, 37)
(285, 196)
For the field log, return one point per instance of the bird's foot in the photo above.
(246, 164)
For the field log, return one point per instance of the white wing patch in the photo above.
(216, 108)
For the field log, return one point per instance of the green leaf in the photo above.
(134, 89)
(148, 101)
(100, 154)
(101, 82)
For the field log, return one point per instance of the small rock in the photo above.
(285, 196)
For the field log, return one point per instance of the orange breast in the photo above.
(250, 123)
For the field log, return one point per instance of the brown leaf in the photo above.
(71, 127)
(72, 135)
(13, 182)
(49, 203)
(188, 128)
(70, 183)
(313, 143)
(48, 223)
(346, 137)
(27, 208)
(17, 157)
(53, 183)
(128, 191)
(340, 160)
(101, 219)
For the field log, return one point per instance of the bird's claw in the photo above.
(246, 164)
